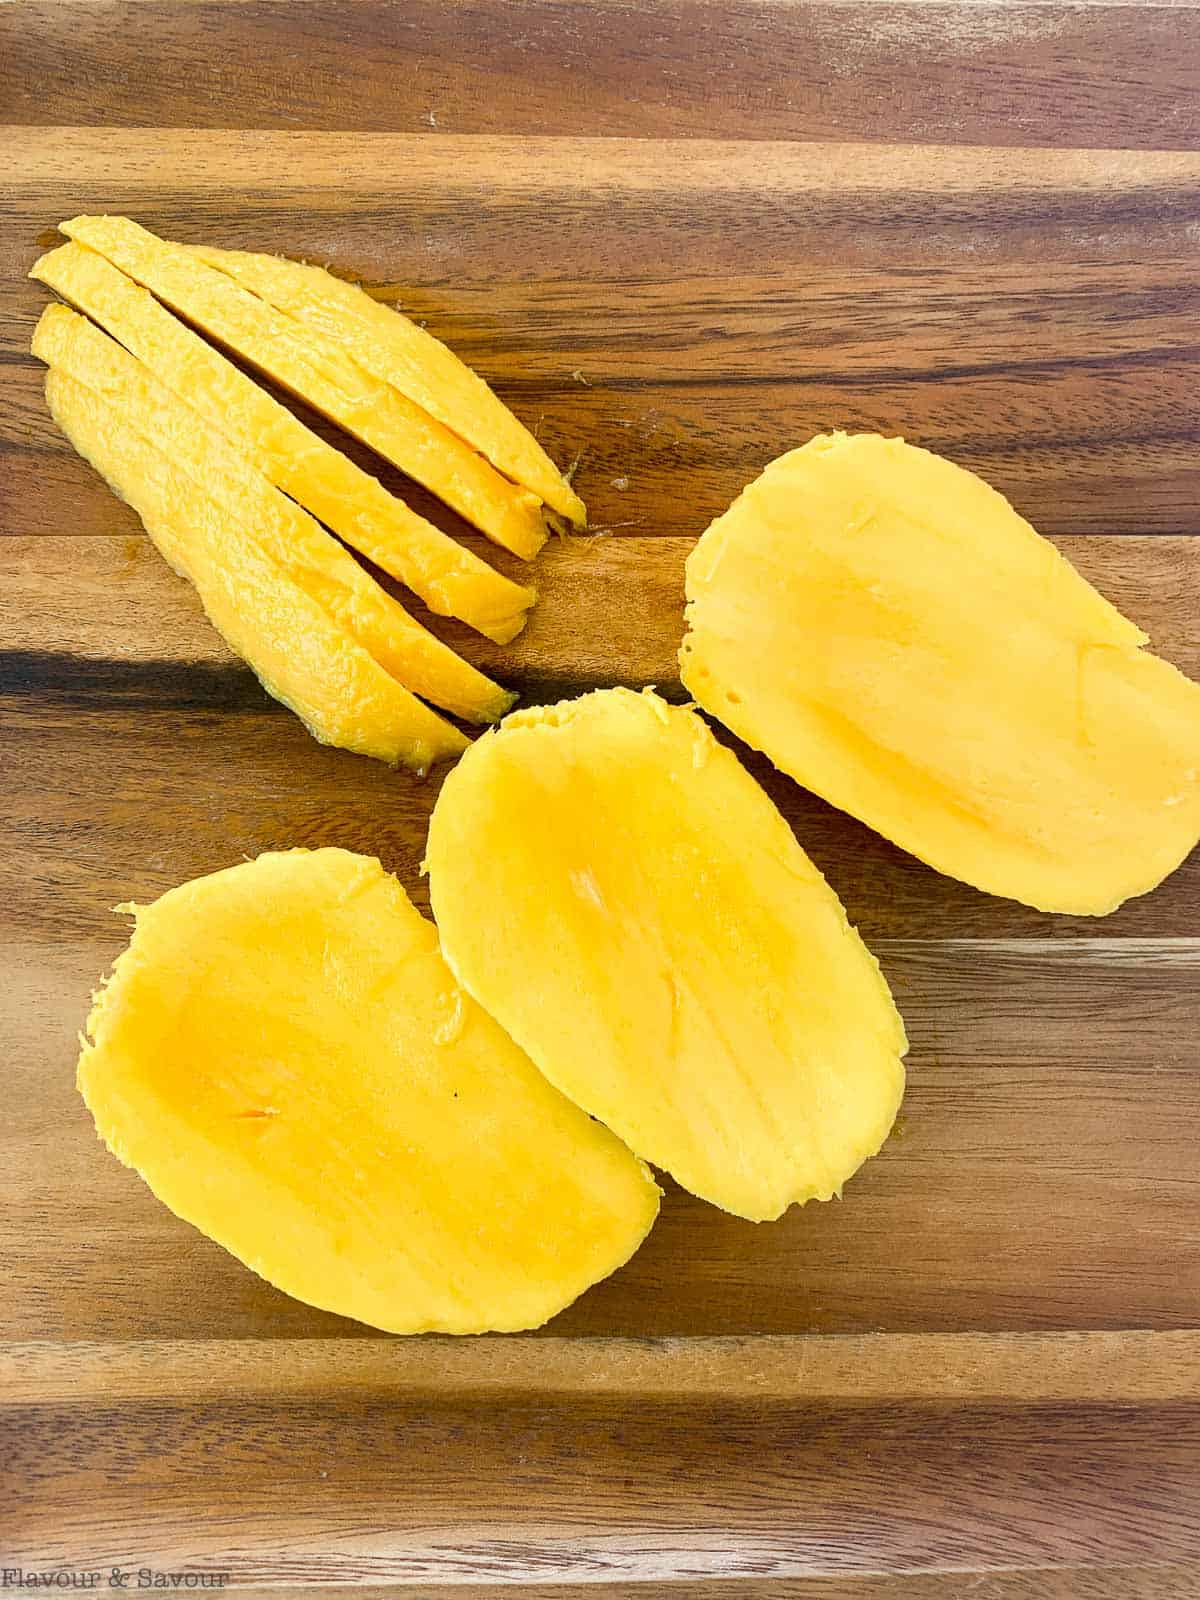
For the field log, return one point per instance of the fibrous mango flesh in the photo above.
(321, 373)
(451, 580)
(888, 630)
(617, 891)
(290, 537)
(397, 350)
(283, 1055)
(295, 648)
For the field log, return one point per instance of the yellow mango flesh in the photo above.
(297, 651)
(451, 580)
(323, 375)
(283, 1055)
(310, 556)
(387, 343)
(887, 629)
(615, 889)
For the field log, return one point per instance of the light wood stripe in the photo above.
(1130, 952)
(51, 161)
(765, 5)
(1117, 1368)
(1151, 1581)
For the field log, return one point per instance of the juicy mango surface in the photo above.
(617, 891)
(296, 542)
(451, 580)
(321, 373)
(400, 352)
(298, 652)
(283, 1055)
(892, 634)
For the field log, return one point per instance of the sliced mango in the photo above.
(283, 1055)
(309, 555)
(617, 891)
(448, 578)
(298, 652)
(387, 343)
(320, 373)
(891, 633)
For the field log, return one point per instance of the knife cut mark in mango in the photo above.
(888, 630)
(284, 1057)
(396, 350)
(451, 580)
(298, 652)
(320, 373)
(301, 547)
(617, 891)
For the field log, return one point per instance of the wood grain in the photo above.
(104, 647)
(1022, 74)
(603, 602)
(645, 1489)
(1022, 1369)
(1157, 1581)
(976, 1377)
(1030, 313)
(1043, 1176)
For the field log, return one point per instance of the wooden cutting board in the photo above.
(974, 224)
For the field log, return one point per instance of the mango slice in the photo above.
(617, 891)
(448, 578)
(284, 1057)
(387, 343)
(309, 555)
(298, 652)
(895, 637)
(319, 372)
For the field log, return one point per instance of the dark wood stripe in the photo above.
(1033, 368)
(48, 681)
(1111, 449)
(52, 682)
(997, 74)
(597, 1488)
(466, 231)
